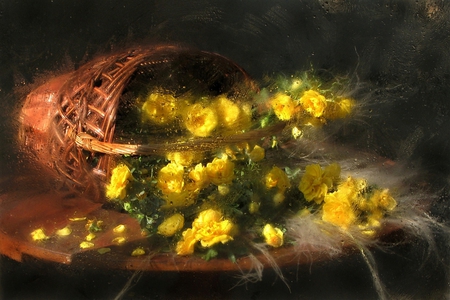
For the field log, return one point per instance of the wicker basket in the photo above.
(70, 122)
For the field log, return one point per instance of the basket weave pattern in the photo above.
(81, 108)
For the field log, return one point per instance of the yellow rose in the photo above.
(218, 232)
(337, 210)
(230, 114)
(316, 182)
(171, 225)
(211, 229)
(277, 178)
(220, 171)
(353, 190)
(283, 106)
(313, 102)
(206, 217)
(119, 180)
(199, 176)
(383, 200)
(273, 236)
(257, 153)
(187, 244)
(208, 228)
(170, 179)
(332, 174)
(199, 120)
(159, 108)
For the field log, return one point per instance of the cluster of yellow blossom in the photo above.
(277, 178)
(345, 202)
(120, 177)
(200, 117)
(273, 236)
(313, 103)
(171, 179)
(209, 228)
(351, 204)
(316, 183)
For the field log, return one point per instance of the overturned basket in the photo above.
(70, 122)
(88, 124)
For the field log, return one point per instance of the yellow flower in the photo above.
(283, 106)
(171, 225)
(339, 110)
(199, 176)
(200, 121)
(159, 108)
(383, 200)
(353, 189)
(277, 178)
(184, 158)
(257, 153)
(375, 208)
(170, 179)
(187, 244)
(312, 185)
(313, 102)
(220, 171)
(338, 210)
(273, 236)
(211, 229)
(208, 228)
(119, 180)
(331, 174)
(316, 182)
(230, 114)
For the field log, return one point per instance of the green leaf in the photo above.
(210, 254)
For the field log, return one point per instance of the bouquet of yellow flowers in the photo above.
(221, 198)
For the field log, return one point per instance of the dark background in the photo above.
(396, 53)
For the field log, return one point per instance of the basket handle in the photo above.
(90, 143)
